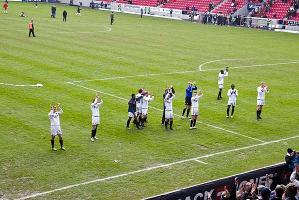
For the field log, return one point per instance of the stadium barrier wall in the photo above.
(273, 175)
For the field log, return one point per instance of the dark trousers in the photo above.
(64, 19)
(31, 31)
(163, 116)
(111, 22)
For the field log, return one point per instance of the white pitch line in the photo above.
(153, 168)
(188, 71)
(138, 75)
(199, 161)
(17, 85)
(158, 109)
(259, 65)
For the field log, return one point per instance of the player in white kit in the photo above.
(145, 101)
(221, 75)
(95, 119)
(54, 116)
(168, 110)
(261, 93)
(232, 94)
(194, 108)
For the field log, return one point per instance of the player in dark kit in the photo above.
(64, 15)
(132, 111)
(189, 90)
(31, 28)
(111, 18)
(53, 11)
(167, 91)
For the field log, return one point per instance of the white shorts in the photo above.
(56, 130)
(220, 86)
(168, 114)
(232, 103)
(260, 102)
(95, 120)
(130, 114)
(144, 111)
(194, 111)
(139, 110)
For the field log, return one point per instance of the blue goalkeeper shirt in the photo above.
(189, 90)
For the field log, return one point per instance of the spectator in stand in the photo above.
(290, 192)
(225, 195)
(279, 191)
(289, 159)
(265, 194)
(295, 176)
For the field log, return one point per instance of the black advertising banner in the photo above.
(277, 174)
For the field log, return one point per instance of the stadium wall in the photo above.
(277, 174)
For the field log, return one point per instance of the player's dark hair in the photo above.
(132, 95)
(290, 150)
(221, 71)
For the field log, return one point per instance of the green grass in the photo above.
(82, 49)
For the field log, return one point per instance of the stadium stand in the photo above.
(229, 6)
(152, 3)
(200, 5)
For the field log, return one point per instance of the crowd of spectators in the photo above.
(271, 190)
(222, 19)
(265, 6)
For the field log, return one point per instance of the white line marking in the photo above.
(210, 125)
(188, 71)
(259, 65)
(199, 161)
(233, 132)
(153, 168)
(138, 75)
(14, 85)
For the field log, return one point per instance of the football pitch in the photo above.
(85, 55)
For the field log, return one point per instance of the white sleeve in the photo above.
(50, 114)
(95, 102)
(100, 103)
(225, 73)
(228, 93)
(237, 93)
(60, 111)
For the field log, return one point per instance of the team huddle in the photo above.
(138, 107)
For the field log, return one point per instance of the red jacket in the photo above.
(5, 6)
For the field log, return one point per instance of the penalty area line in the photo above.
(189, 71)
(153, 168)
(207, 124)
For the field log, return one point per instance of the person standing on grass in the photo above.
(78, 11)
(95, 119)
(31, 28)
(54, 116)
(111, 18)
(261, 93)
(167, 90)
(53, 11)
(194, 108)
(168, 110)
(132, 111)
(189, 90)
(221, 75)
(5, 7)
(232, 94)
(64, 15)
(141, 12)
(145, 101)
